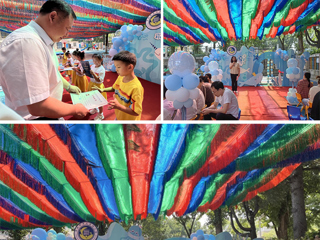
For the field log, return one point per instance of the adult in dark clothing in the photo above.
(206, 90)
(315, 111)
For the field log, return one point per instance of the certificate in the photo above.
(90, 100)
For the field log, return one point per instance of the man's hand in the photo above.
(207, 111)
(81, 111)
(96, 88)
(74, 89)
(114, 104)
(237, 77)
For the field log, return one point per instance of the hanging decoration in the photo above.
(57, 175)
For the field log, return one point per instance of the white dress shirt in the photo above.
(29, 69)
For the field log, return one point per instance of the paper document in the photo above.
(90, 100)
(66, 69)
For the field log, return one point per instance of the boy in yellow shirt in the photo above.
(128, 97)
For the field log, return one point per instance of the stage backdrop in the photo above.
(147, 48)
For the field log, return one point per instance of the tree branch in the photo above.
(275, 228)
(238, 222)
(256, 205)
(232, 225)
(309, 40)
(246, 208)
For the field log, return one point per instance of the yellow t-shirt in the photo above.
(130, 95)
(64, 59)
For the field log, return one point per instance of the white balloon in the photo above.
(177, 104)
(214, 78)
(170, 95)
(297, 76)
(213, 65)
(220, 71)
(181, 63)
(182, 94)
(287, 75)
(220, 77)
(194, 93)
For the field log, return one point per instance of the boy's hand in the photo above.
(74, 89)
(114, 104)
(96, 88)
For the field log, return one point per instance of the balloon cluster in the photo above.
(216, 55)
(216, 74)
(282, 54)
(305, 56)
(293, 72)
(41, 234)
(292, 97)
(199, 235)
(122, 39)
(182, 84)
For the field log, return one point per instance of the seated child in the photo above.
(128, 97)
(81, 79)
(68, 64)
(98, 72)
(76, 63)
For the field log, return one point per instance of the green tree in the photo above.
(17, 234)
(217, 219)
(190, 222)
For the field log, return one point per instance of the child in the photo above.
(128, 97)
(75, 64)
(98, 72)
(64, 58)
(68, 64)
(81, 79)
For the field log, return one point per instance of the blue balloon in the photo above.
(177, 104)
(134, 32)
(211, 237)
(201, 237)
(123, 28)
(215, 72)
(193, 235)
(206, 58)
(202, 68)
(199, 232)
(35, 238)
(295, 70)
(113, 68)
(61, 236)
(139, 33)
(206, 69)
(289, 70)
(52, 231)
(190, 81)
(117, 43)
(188, 103)
(130, 38)
(124, 39)
(39, 232)
(173, 82)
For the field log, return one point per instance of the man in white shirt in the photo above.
(229, 104)
(29, 72)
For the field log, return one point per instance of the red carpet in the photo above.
(151, 103)
(263, 103)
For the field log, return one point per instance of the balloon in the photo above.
(206, 58)
(61, 236)
(211, 237)
(190, 81)
(113, 52)
(182, 94)
(139, 34)
(173, 82)
(130, 38)
(201, 237)
(220, 77)
(39, 232)
(118, 42)
(123, 28)
(295, 70)
(206, 69)
(202, 68)
(199, 232)
(193, 235)
(177, 104)
(213, 65)
(113, 68)
(139, 28)
(188, 103)
(220, 71)
(215, 72)
(194, 93)
(289, 70)
(35, 237)
(297, 76)
(69, 238)
(52, 231)
(181, 63)
(170, 95)
(214, 78)
(49, 238)
(292, 63)
(134, 32)
(287, 75)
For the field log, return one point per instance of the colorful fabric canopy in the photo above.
(94, 17)
(55, 175)
(190, 22)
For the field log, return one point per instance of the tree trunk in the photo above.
(298, 205)
(283, 226)
(218, 218)
(300, 38)
(253, 231)
(102, 227)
